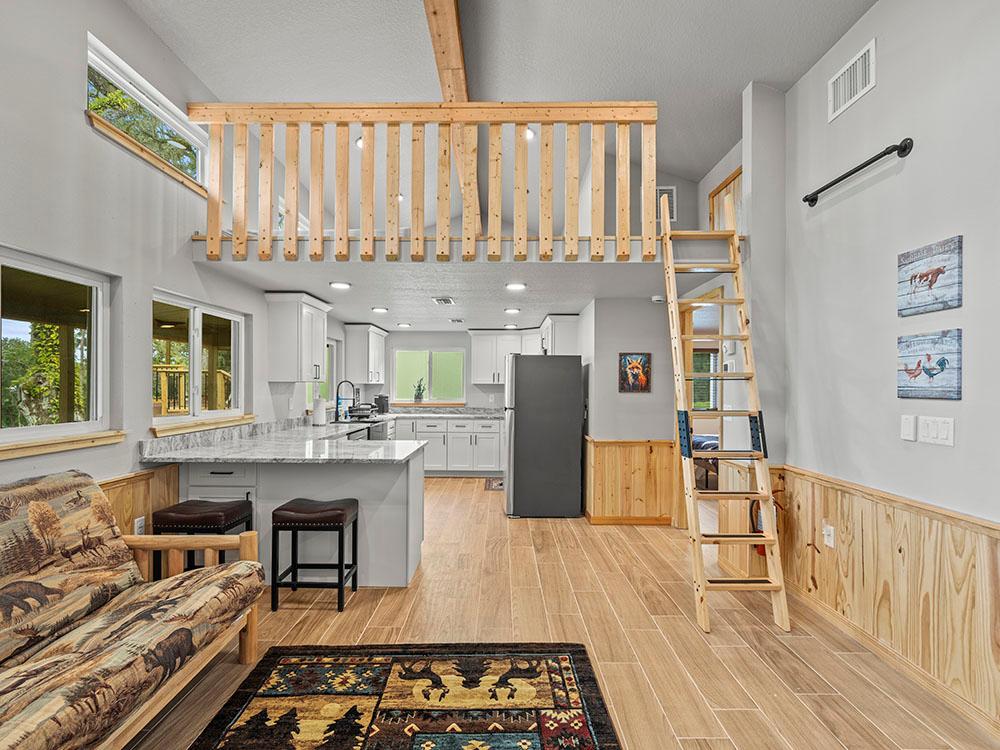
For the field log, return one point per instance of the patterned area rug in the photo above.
(484, 696)
(494, 483)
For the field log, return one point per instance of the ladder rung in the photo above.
(706, 267)
(715, 337)
(709, 413)
(694, 234)
(737, 539)
(719, 376)
(712, 302)
(730, 495)
(742, 584)
(727, 454)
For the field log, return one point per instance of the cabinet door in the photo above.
(506, 344)
(436, 450)
(531, 342)
(380, 348)
(484, 354)
(486, 450)
(460, 451)
(319, 344)
(406, 429)
(376, 356)
(312, 343)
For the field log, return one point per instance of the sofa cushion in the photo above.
(61, 557)
(80, 687)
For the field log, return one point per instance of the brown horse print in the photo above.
(926, 278)
(18, 594)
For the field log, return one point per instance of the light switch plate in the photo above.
(908, 427)
(139, 526)
(828, 535)
(936, 430)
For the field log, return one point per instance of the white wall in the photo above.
(726, 166)
(937, 83)
(70, 194)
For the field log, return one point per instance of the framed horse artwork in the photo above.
(634, 372)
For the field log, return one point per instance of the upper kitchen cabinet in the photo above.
(296, 337)
(560, 334)
(489, 353)
(531, 341)
(365, 353)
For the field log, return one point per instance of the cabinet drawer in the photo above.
(460, 425)
(431, 425)
(487, 425)
(233, 475)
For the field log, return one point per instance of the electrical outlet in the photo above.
(139, 526)
(493, 399)
(908, 427)
(828, 535)
(936, 430)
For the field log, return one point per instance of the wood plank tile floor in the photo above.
(625, 592)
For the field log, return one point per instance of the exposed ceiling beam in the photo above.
(446, 38)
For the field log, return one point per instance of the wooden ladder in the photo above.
(757, 456)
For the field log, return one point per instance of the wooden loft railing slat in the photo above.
(571, 230)
(520, 191)
(443, 242)
(545, 194)
(213, 247)
(623, 237)
(495, 194)
(417, 193)
(265, 191)
(597, 191)
(341, 212)
(392, 191)
(290, 247)
(316, 149)
(470, 196)
(648, 191)
(368, 191)
(240, 192)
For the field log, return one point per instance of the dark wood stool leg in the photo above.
(274, 570)
(340, 569)
(190, 557)
(354, 554)
(295, 560)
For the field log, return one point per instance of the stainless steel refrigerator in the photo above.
(544, 411)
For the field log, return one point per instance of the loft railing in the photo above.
(458, 126)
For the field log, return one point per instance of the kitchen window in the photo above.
(705, 393)
(197, 365)
(53, 349)
(434, 376)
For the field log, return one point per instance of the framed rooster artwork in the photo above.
(634, 372)
(930, 365)
(929, 278)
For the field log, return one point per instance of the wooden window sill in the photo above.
(199, 425)
(427, 404)
(39, 447)
(108, 130)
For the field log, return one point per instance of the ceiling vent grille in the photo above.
(443, 300)
(852, 82)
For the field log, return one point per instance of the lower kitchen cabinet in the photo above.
(460, 451)
(436, 450)
(406, 429)
(486, 451)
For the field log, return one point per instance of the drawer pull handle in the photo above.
(221, 473)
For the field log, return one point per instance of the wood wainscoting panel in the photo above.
(919, 585)
(140, 493)
(630, 481)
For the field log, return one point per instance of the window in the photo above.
(303, 225)
(189, 338)
(52, 349)
(429, 376)
(128, 102)
(705, 393)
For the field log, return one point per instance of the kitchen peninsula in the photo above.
(272, 463)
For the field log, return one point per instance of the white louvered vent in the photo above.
(671, 192)
(443, 300)
(852, 82)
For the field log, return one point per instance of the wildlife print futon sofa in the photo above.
(83, 639)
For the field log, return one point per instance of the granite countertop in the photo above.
(298, 445)
(422, 415)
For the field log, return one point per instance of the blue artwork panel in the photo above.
(930, 278)
(930, 365)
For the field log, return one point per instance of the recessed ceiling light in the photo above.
(360, 142)
(402, 325)
(529, 134)
(516, 286)
(168, 325)
(512, 310)
(510, 325)
(340, 285)
(380, 309)
(400, 197)
(84, 309)
(658, 299)
(456, 320)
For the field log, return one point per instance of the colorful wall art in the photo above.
(634, 372)
(930, 278)
(930, 365)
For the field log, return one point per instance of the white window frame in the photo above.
(195, 311)
(116, 70)
(430, 371)
(100, 311)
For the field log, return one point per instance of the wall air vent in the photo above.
(852, 82)
(443, 300)
(671, 192)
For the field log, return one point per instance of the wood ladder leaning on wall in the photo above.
(756, 456)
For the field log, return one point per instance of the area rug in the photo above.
(494, 483)
(450, 696)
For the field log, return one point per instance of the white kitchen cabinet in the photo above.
(406, 429)
(436, 450)
(531, 342)
(486, 451)
(296, 338)
(460, 454)
(560, 334)
(489, 353)
(365, 359)
(506, 344)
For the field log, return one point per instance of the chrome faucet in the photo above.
(336, 398)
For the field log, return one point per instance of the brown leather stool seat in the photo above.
(201, 517)
(303, 514)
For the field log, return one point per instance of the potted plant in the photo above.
(418, 390)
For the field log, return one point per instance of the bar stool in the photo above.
(302, 514)
(202, 517)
